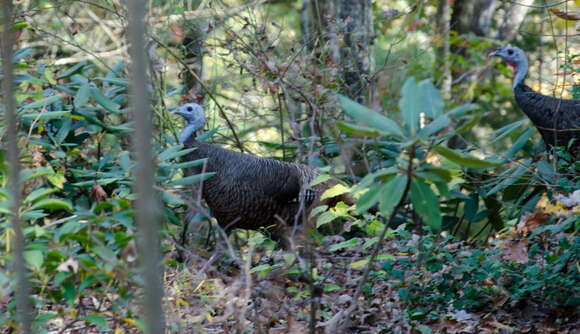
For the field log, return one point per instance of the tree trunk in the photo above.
(194, 47)
(443, 24)
(473, 16)
(349, 43)
(514, 16)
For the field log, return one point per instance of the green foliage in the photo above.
(77, 177)
(446, 277)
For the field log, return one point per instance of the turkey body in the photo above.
(251, 192)
(557, 120)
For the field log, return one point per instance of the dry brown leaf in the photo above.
(517, 251)
(529, 222)
(97, 192)
(569, 16)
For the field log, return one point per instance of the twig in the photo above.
(375, 252)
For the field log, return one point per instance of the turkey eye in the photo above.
(189, 108)
(510, 52)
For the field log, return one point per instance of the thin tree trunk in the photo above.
(194, 48)
(514, 16)
(444, 21)
(473, 16)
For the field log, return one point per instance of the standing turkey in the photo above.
(558, 120)
(248, 191)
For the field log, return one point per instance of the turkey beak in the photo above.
(177, 111)
(496, 53)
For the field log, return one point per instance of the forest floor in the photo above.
(224, 300)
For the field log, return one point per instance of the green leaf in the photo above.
(47, 115)
(37, 194)
(34, 258)
(73, 69)
(334, 191)
(411, 105)
(42, 103)
(368, 199)
(192, 179)
(82, 95)
(325, 218)
(519, 143)
(432, 100)
(435, 126)
(104, 101)
(97, 320)
(462, 109)
(115, 81)
(345, 244)
(52, 204)
(426, 204)
(359, 130)
(506, 130)
(64, 130)
(187, 164)
(174, 152)
(463, 159)
(369, 117)
(392, 194)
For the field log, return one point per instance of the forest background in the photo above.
(472, 224)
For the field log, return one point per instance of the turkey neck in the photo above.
(521, 71)
(188, 131)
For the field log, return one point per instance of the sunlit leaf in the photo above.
(51, 204)
(369, 117)
(334, 191)
(463, 159)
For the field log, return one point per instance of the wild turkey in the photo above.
(248, 191)
(558, 120)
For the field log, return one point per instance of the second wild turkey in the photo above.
(558, 120)
(248, 191)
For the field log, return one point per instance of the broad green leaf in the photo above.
(506, 130)
(73, 69)
(426, 204)
(392, 194)
(509, 177)
(433, 101)
(174, 152)
(34, 258)
(345, 244)
(82, 95)
(325, 218)
(51, 204)
(192, 179)
(317, 210)
(463, 159)
(64, 130)
(473, 120)
(435, 126)
(359, 130)
(462, 109)
(368, 199)
(115, 81)
(519, 143)
(187, 164)
(320, 179)
(471, 206)
(38, 193)
(411, 105)
(97, 320)
(42, 103)
(369, 117)
(104, 101)
(45, 115)
(334, 191)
